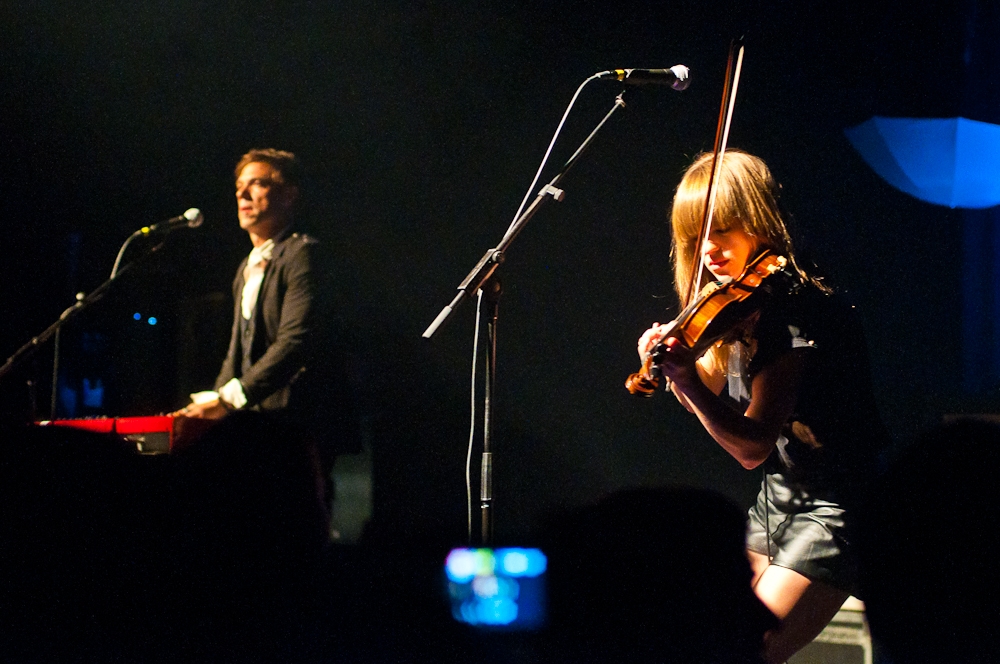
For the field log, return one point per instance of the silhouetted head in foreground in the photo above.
(80, 543)
(654, 576)
(931, 545)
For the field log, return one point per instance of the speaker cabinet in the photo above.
(845, 640)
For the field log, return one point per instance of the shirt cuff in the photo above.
(204, 397)
(232, 393)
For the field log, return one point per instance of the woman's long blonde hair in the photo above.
(746, 198)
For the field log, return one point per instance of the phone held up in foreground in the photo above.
(500, 589)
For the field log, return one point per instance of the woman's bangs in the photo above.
(689, 205)
(727, 213)
(689, 211)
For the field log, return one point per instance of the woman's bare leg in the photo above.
(803, 606)
(758, 563)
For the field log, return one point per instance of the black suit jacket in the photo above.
(286, 326)
(297, 363)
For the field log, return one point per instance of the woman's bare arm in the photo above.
(749, 437)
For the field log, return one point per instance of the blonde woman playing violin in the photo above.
(787, 390)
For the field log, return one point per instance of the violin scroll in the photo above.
(645, 381)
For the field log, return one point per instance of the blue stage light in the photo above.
(521, 562)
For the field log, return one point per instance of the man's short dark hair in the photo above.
(286, 163)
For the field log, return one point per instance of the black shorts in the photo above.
(808, 533)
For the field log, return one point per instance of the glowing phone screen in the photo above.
(497, 588)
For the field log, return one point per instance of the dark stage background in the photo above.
(421, 124)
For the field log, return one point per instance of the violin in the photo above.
(720, 306)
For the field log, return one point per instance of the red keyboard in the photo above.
(157, 434)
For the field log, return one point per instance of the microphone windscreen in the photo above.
(683, 75)
(194, 217)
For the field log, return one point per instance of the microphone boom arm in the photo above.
(492, 259)
(82, 302)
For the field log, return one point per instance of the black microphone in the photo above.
(678, 77)
(190, 219)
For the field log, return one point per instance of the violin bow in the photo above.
(734, 66)
(641, 382)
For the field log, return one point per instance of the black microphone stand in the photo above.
(481, 277)
(82, 302)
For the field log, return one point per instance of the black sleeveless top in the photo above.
(831, 439)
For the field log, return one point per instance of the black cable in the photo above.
(767, 519)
